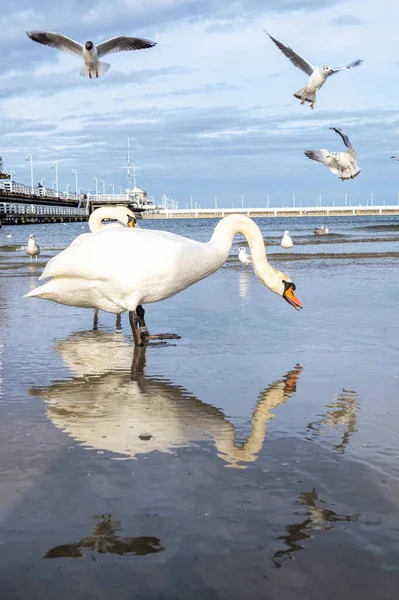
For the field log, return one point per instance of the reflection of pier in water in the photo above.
(317, 518)
(341, 415)
(113, 405)
(105, 540)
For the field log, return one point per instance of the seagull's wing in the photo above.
(355, 63)
(56, 40)
(121, 43)
(344, 137)
(318, 155)
(324, 157)
(294, 57)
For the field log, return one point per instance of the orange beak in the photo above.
(290, 296)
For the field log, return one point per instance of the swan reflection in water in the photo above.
(124, 411)
(341, 416)
(105, 540)
(317, 518)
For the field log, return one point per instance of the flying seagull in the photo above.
(342, 164)
(395, 157)
(93, 67)
(317, 75)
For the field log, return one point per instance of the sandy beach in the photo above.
(256, 457)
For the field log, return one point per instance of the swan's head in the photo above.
(286, 232)
(89, 45)
(279, 283)
(131, 221)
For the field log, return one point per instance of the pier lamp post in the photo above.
(293, 200)
(11, 175)
(68, 187)
(242, 201)
(120, 189)
(216, 202)
(112, 186)
(75, 172)
(42, 181)
(96, 182)
(29, 157)
(372, 198)
(53, 184)
(54, 165)
(268, 201)
(102, 182)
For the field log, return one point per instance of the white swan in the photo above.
(286, 241)
(118, 271)
(123, 217)
(243, 256)
(32, 248)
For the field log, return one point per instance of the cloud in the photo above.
(344, 20)
(210, 109)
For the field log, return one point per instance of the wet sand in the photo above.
(255, 458)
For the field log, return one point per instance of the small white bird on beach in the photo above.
(286, 241)
(90, 53)
(243, 256)
(32, 248)
(341, 164)
(317, 75)
(10, 235)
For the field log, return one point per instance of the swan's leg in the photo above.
(118, 321)
(144, 329)
(133, 319)
(95, 319)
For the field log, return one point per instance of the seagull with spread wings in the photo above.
(317, 75)
(93, 67)
(342, 164)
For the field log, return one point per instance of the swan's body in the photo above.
(286, 241)
(243, 256)
(32, 248)
(118, 271)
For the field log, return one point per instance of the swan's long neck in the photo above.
(96, 218)
(223, 237)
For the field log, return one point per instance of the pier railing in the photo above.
(8, 208)
(306, 211)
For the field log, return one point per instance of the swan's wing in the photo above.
(56, 40)
(121, 43)
(294, 57)
(323, 157)
(355, 63)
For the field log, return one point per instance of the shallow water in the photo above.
(255, 458)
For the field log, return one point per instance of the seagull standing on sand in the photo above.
(32, 248)
(317, 75)
(93, 67)
(243, 256)
(286, 242)
(342, 164)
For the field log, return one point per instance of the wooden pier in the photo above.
(308, 211)
(24, 214)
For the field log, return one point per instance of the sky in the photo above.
(209, 111)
